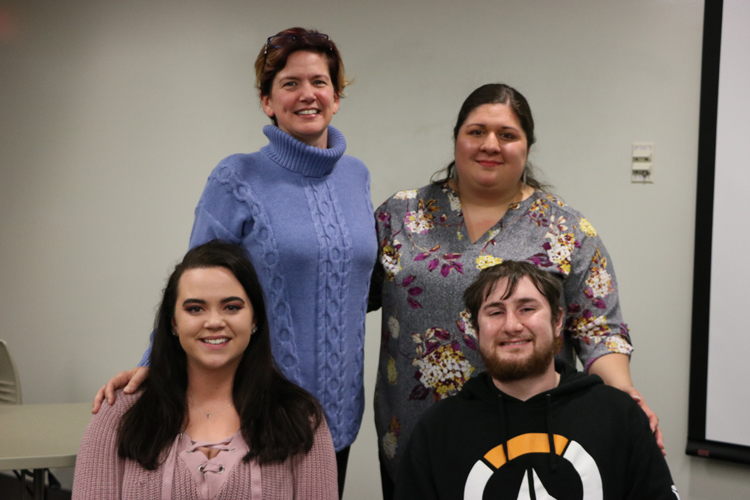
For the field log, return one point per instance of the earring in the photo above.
(174, 332)
(255, 329)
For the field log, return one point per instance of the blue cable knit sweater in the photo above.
(305, 216)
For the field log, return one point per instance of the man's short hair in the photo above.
(547, 284)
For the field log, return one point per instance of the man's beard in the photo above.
(519, 369)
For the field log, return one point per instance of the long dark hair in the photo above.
(496, 93)
(277, 418)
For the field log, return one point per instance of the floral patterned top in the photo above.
(429, 348)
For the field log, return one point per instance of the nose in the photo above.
(490, 144)
(512, 322)
(307, 92)
(214, 321)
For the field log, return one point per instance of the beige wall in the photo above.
(112, 115)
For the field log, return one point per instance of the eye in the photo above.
(193, 309)
(234, 307)
(320, 83)
(475, 132)
(288, 85)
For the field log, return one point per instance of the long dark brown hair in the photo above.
(277, 418)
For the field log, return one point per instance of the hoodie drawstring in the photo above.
(550, 435)
(503, 433)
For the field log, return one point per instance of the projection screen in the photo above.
(720, 350)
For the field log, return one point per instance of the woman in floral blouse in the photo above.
(435, 240)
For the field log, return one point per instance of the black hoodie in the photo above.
(484, 444)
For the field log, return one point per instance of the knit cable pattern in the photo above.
(333, 277)
(285, 350)
(305, 217)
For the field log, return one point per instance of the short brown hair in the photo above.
(275, 60)
(547, 284)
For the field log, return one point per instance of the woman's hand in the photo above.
(652, 418)
(614, 369)
(131, 380)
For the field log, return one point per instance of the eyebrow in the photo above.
(484, 125)
(201, 301)
(294, 77)
(521, 301)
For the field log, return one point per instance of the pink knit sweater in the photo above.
(100, 474)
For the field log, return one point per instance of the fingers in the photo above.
(130, 379)
(98, 401)
(653, 419)
(111, 387)
(137, 376)
(635, 394)
(660, 441)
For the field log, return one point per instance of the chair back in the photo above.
(10, 383)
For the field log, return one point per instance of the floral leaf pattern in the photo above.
(598, 282)
(392, 371)
(390, 258)
(413, 303)
(560, 248)
(485, 261)
(394, 328)
(419, 392)
(389, 442)
(429, 344)
(466, 327)
(443, 368)
(421, 220)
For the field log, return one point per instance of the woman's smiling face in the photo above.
(213, 318)
(491, 148)
(303, 98)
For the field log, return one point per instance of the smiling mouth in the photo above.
(215, 341)
(489, 163)
(514, 343)
(306, 112)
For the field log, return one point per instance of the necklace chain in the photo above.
(209, 413)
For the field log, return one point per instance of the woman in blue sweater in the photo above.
(302, 210)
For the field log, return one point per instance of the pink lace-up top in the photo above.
(185, 473)
(210, 474)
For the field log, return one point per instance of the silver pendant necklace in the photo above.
(209, 413)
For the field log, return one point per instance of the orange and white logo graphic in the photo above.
(535, 443)
(531, 486)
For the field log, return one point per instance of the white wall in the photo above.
(112, 115)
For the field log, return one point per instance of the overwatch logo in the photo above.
(531, 487)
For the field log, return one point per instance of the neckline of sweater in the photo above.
(302, 158)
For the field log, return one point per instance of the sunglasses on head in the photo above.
(279, 41)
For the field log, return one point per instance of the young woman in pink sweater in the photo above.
(216, 419)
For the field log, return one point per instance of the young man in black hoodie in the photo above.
(530, 427)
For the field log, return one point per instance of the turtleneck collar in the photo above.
(301, 158)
